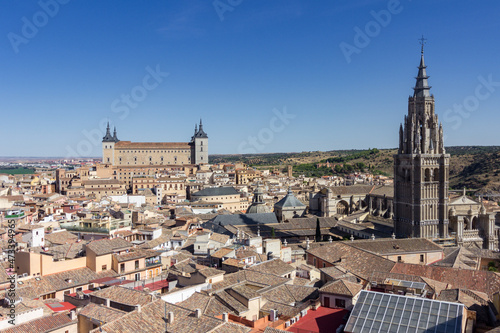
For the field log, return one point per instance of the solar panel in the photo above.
(55, 305)
(379, 312)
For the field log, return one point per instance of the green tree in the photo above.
(273, 233)
(318, 231)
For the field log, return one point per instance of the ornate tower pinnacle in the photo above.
(115, 138)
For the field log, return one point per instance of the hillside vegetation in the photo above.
(475, 167)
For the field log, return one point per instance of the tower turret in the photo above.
(108, 146)
(200, 145)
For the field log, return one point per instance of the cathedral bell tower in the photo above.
(421, 167)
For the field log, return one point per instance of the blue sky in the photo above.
(68, 66)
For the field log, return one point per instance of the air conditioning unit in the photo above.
(25, 274)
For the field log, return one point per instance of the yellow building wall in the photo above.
(28, 262)
(50, 267)
(414, 258)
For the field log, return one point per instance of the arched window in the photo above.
(427, 175)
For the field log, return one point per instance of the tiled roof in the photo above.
(61, 237)
(210, 272)
(135, 254)
(209, 305)
(351, 190)
(359, 262)
(387, 190)
(289, 293)
(44, 324)
(483, 281)
(152, 318)
(220, 238)
(105, 246)
(245, 291)
(249, 276)
(101, 313)
(283, 309)
(124, 295)
(59, 281)
(384, 246)
(67, 251)
(274, 266)
(231, 328)
(222, 252)
(342, 287)
(459, 257)
(229, 301)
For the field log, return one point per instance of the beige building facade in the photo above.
(127, 153)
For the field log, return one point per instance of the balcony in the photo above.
(153, 261)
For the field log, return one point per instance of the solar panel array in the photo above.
(380, 312)
(407, 284)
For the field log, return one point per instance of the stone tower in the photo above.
(108, 146)
(200, 146)
(421, 168)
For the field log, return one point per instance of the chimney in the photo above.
(72, 315)
(225, 317)
(138, 307)
(170, 317)
(198, 313)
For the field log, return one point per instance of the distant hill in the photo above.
(475, 167)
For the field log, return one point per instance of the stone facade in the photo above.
(125, 153)
(421, 168)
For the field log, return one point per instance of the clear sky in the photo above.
(265, 76)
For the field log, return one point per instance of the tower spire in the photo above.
(422, 86)
(107, 137)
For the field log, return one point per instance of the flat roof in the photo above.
(380, 312)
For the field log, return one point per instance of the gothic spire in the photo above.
(199, 133)
(422, 86)
(107, 137)
(115, 138)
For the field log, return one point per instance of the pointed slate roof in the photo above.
(422, 86)
(201, 133)
(108, 137)
(289, 201)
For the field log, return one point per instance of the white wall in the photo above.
(184, 293)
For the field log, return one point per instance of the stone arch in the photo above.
(475, 223)
(342, 207)
(427, 175)
(436, 175)
(466, 223)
